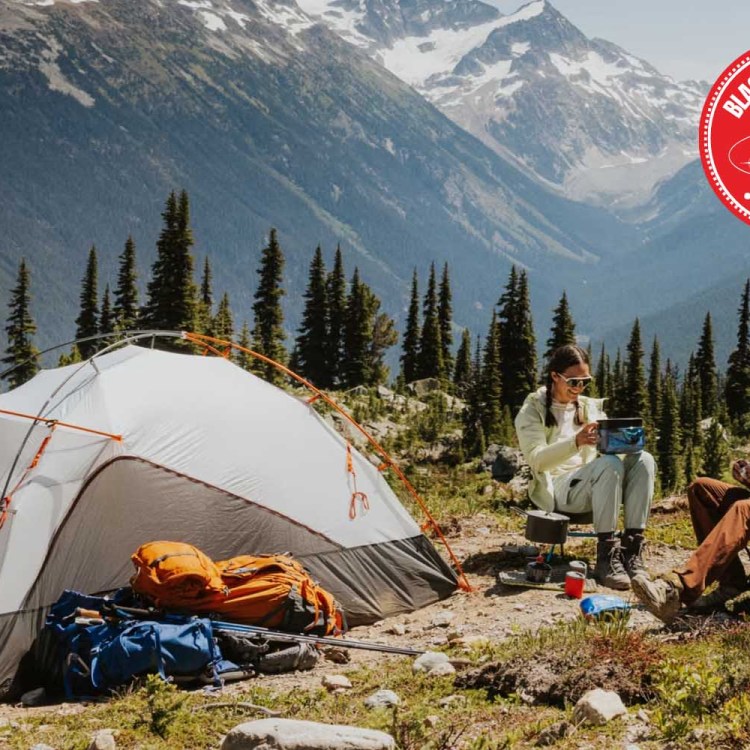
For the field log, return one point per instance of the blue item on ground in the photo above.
(604, 607)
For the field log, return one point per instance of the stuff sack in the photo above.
(604, 607)
(174, 574)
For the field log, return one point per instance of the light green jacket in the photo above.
(542, 447)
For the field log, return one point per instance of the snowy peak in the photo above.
(581, 114)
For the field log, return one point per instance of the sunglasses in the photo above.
(575, 382)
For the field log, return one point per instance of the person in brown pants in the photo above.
(720, 513)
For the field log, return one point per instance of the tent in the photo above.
(139, 444)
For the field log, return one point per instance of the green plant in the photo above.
(164, 705)
(686, 693)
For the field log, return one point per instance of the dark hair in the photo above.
(560, 360)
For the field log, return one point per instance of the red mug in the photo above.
(574, 584)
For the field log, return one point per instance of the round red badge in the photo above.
(725, 137)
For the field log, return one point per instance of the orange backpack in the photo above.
(274, 591)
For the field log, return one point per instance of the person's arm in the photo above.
(532, 439)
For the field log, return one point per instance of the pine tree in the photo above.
(491, 385)
(617, 389)
(268, 333)
(706, 367)
(654, 383)
(87, 322)
(223, 321)
(357, 335)
(337, 298)
(473, 433)
(603, 376)
(172, 294)
(462, 370)
(412, 335)
(669, 445)
(107, 321)
(635, 401)
(243, 359)
(563, 328)
(205, 304)
(20, 328)
(715, 448)
(125, 308)
(517, 341)
(738, 370)
(445, 316)
(312, 337)
(430, 361)
(383, 336)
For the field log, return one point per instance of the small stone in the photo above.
(397, 629)
(104, 739)
(36, 697)
(431, 721)
(452, 699)
(551, 734)
(643, 716)
(454, 635)
(442, 619)
(442, 670)
(483, 531)
(41, 746)
(333, 682)
(519, 607)
(382, 699)
(428, 661)
(598, 706)
(337, 655)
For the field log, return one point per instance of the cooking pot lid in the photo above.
(547, 516)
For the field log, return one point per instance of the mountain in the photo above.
(582, 115)
(267, 119)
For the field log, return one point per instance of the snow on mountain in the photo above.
(580, 114)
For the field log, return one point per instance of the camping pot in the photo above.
(545, 527)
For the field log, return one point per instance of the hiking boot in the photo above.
(661, 597)
(632, 554)
(716, 599)
(609, 570)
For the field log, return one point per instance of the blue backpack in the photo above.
(99, 657)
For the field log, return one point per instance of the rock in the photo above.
(442, 670)
(423, 387)
(36, 697)
(337, 655)
(598, 707)
(333, 682)
(508, 462)
(551, 734)
(452, 699)
(290, 734)
(397, 629)
(442, 619)
(104, 739)
(428, 661)
(454, 635)
(41, 746)
(431, 721)
(382, 699)
(385, 393)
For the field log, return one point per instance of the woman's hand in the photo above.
(587, 435)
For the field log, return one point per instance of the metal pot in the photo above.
(545, 527)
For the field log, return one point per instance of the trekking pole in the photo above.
(233, 627)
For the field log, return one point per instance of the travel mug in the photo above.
(574, 584)
(578, 566)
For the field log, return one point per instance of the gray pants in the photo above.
(606, 483)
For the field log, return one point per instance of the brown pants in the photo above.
(721, 519)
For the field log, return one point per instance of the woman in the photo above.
(557, 432)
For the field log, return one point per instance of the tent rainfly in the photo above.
(139, 444)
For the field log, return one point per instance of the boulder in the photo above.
(427, 661)
(507, 463)
(290, 734)
(382, 699)
(104, 739)
(424, 386)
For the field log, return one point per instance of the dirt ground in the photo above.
(490, 611)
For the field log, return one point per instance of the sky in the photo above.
(686, 39)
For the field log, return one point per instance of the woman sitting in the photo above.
(557, 432)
